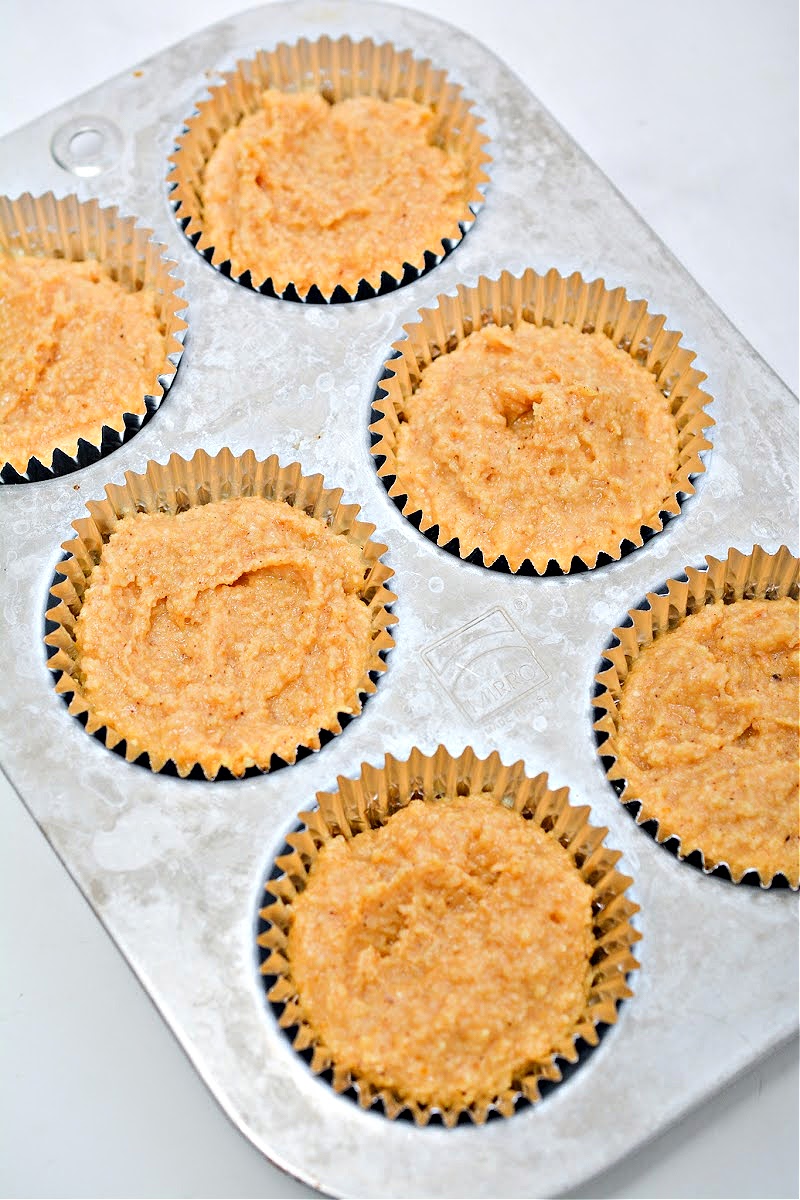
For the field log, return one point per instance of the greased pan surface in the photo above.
(175, 867)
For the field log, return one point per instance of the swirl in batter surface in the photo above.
(224, 634)
(307, 192)
(537, 443)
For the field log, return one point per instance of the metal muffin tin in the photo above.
(175, 868)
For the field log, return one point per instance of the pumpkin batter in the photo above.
(224, 634)
(707, 734)
(77, 351)
(538, 443)
(307, 192)
(444, 953)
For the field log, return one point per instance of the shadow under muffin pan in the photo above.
(482, 658)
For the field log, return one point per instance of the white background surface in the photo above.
(691, 109)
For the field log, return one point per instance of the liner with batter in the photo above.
(91, 332)
(235, 618)
(306, 192)
(406, 936)
(437, 949)
(540, 418)
(77, 350)
(705, 735)
(329, 169)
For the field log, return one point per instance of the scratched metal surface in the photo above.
(174, 868)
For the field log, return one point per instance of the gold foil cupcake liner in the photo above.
(368, 802)
(173, 487)
(338, 69)
(68, 228)
(550, 299)
(755, 576)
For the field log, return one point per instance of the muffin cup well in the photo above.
(754, 576)
(368, 802)
(337, 69)
(68, 228)
(550, 299)
(172, 488)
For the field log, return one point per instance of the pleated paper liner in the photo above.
(368, 802)
(174, 487)
(757, 575)
(553, 300)
(67, 228)
(337, 69)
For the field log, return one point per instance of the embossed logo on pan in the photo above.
(485, 665)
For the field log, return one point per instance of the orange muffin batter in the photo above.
(225, 634)
(707, 735)
(77, 351)
(307, 192)
(538, 443)
(443, 954)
